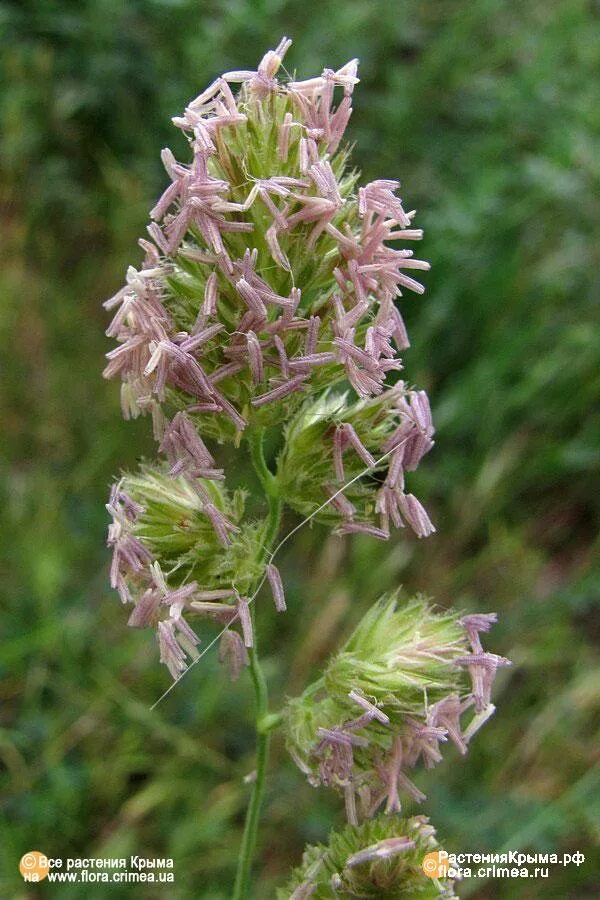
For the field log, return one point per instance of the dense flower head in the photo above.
(182, 549)
(382, 857)
(399, 689)
(333, 438)
(196, 527)
(267, 273)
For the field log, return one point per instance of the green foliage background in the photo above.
(488, 113)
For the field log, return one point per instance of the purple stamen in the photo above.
(362, 528)
(246, 621)
(276, 587)
(358, 445)
(385, 849)
(369, 707)
(278, 393)
(233, 653)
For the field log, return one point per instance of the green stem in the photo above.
(264, 721)
(267, 479)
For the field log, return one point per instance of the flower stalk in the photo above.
(265, 721)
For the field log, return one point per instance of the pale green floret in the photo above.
(181, 537)
(399, 654)
(325, 870)
(306, 468)
(400, 658)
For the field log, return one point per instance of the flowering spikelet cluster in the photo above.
(266, 295)
(267, 298)
(230, 313)
(329, 443)
(193, 530)
(380, 858)
(398, 690)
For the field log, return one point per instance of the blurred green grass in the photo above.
(488, 113)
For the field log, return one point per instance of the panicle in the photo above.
(268, 296)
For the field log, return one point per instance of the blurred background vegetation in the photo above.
(488, 112)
